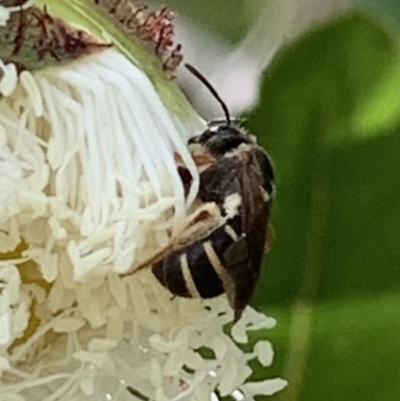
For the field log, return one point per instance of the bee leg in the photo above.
(186, 179)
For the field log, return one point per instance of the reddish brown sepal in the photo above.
(154, 29)
(33, 39)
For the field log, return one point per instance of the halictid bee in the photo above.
(221, 245)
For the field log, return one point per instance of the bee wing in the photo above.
(245, 256)
(196, 226)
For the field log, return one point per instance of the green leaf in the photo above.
(332, 277)
(321, 178)
(388, 10)
(356, 344)
(350, 65)
(353, 352)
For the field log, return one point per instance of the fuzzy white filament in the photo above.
(89, 186)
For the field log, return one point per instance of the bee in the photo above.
(220, 247)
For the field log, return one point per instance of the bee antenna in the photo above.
(201, 78)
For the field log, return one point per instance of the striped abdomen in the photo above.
(195, 271)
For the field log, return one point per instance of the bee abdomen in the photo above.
(196, 271)
(169, 273)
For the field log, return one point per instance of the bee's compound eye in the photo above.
(203, 138)
(225, 139)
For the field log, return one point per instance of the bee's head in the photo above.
(221, 138)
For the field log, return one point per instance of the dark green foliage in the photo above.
(330, 118)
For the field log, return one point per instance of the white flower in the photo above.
(88, 186)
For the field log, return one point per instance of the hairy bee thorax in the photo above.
(230, 147)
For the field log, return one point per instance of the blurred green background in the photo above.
(330, 117)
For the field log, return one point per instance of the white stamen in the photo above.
(89, 186)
